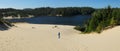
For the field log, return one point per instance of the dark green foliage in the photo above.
(71, 11)
(47, 11)
(102, 19)
(77, 28)
(80, 28)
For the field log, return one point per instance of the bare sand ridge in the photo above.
(39, 37)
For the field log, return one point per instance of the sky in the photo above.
(20, 4)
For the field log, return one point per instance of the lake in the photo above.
(75, 20)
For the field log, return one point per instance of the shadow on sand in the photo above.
(4, 25)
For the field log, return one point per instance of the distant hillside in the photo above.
(46, 11)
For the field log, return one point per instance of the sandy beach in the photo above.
(43, 37)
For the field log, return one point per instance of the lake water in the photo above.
(75, 20)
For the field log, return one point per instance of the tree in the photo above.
(102, 19)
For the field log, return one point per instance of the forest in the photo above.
(102, 19)
(47, 11)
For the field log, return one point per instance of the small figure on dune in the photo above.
(58, 35)
(33, 27)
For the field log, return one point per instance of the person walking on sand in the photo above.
(58, 35)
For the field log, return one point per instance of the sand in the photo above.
(43, 37)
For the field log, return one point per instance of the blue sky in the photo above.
(57, 3)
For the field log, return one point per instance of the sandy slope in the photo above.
(44, 38)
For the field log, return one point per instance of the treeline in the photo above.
(47, 11)
(101, 19)
(12, 12)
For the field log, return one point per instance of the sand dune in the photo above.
(39, 37)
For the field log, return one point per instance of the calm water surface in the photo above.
(75, 20)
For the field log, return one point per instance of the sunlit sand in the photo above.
(44, 37)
